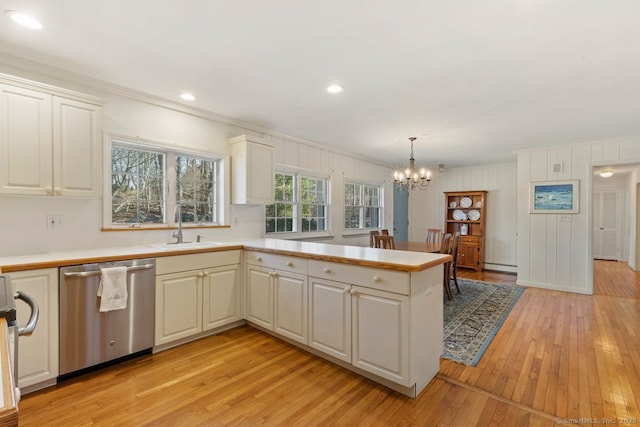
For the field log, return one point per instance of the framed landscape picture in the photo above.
(554, 197)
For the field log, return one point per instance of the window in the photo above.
(301, 204)
(147, 182)
(362, 206)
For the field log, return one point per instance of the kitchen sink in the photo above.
(171, 246)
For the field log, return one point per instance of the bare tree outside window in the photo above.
(196, 189)
(137, 186)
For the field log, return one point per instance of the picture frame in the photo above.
(554, 197)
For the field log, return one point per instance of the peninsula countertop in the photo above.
(363, 256)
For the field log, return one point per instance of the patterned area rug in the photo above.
(472, 319)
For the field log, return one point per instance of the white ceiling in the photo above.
(473, 80)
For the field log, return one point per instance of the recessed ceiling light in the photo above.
(24, 19)
(606, 174)
(187, 96)
(335, 89)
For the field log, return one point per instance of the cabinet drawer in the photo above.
(470, 239)
(176, 263)
(280, 262)
(375, 278)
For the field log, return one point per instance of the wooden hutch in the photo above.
(465, 211)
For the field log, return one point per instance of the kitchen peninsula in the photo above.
(374, 311)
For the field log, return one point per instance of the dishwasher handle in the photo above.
(98, 273)
(33, 318)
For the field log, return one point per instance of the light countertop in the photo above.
(365, 256)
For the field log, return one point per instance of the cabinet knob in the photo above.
(347, 289)
(289, 264)
(274, 274)
(58, 191)
(258, 258)
(201, 274)
(353, 291)
(376, 278)
(48, 190)
(327, 270)
(205, 274)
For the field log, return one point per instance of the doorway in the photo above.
(606, 224)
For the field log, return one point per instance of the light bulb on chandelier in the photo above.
(411, 178)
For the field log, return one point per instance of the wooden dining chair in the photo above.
(453, 275)
(434, 235)
(384, 232)
(384, 241)
(372, 234)
(446, 249)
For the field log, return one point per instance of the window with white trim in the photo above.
(147, 182)
(362, 206)
(301, 204)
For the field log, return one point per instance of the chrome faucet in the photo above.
(178, 234)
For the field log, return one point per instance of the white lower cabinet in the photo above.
(290, 305)
(362, 326)
(178, 306)
(330, 318)
(38, 353)
(277, 297)
(380, 333)
(220, 297)
(204, 296)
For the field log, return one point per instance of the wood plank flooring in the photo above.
(557, 356)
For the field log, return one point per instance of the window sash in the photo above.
(301, 204)
(149, 181)
(363, 206)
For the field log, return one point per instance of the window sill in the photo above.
(133, 227)
(353, 233)
(300, 236)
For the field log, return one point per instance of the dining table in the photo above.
(432, 247)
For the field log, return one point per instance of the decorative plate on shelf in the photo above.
(474, 215)
(466, 202)
(453, 205)
(458, 215)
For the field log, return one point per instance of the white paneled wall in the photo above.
(154, 120)
(555, 251)
(426, 208)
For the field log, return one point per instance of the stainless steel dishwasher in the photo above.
(89, 337)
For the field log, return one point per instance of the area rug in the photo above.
(473, 318)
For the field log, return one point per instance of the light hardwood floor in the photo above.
(557, 359)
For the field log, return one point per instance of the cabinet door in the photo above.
(468, 255)
(260, 174)
(260, 296)
(76, 148)
(38, 353)
(290, 305)
(220, 297)
(381, 333)
(178, 306)
(25, 141)
(330, 318)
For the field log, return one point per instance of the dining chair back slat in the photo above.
(434, 235)
(384, 241)
(372, 242)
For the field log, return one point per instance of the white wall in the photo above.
(426, 208)
(23, 218)
(553, 253)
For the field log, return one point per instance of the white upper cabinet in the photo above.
(49, 141)
(252, 172)
(76, 148)
(26, 148)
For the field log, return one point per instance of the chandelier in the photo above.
(411, 178)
